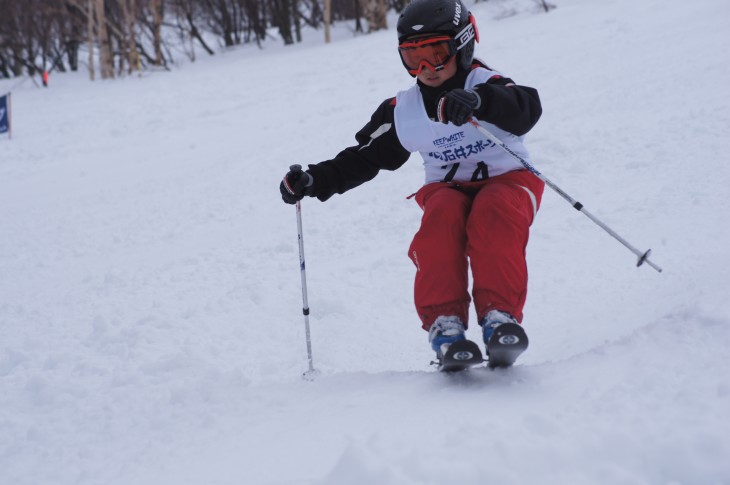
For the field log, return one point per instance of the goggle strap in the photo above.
(423, 42)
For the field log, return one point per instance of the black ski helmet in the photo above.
(448, 17)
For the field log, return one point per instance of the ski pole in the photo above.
(302, 266)
(643, 257)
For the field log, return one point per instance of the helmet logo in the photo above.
(457, 13)
(417, 27)
(463, 37)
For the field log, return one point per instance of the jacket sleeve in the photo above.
(513, 108)
(377, 148)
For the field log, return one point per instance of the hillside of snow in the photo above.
(150, 300)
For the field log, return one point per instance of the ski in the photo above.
(507, 342)
(460, 356)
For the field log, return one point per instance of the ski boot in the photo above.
(453, 351)
(504, 337)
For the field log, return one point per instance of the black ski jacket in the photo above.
(511, 107)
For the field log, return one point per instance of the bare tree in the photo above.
(256, 13)
(327, 20)
(545, 5)
(187, 13)
(296, 20)
(122, 36)
(158, 16)
(72, 34)
(129, 14)
(281, 17)
(11, 49)
(106, 62)
(220, 16)
(90, 38)
(374, 12)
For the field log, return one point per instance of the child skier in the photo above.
(478, 201)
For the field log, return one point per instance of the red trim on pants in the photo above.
(484, 225)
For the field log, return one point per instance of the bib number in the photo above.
(481, 172)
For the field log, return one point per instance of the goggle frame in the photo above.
(463, 37)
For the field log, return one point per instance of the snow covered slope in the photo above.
(150, 305)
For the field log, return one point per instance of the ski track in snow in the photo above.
(150, 301)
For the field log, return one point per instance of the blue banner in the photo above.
(4, 114)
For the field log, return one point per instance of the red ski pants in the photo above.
(484, 225)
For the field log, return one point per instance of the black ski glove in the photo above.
(457, 106)
(296, 185)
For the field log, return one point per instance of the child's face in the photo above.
(437, 78)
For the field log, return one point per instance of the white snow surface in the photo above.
(150, 298)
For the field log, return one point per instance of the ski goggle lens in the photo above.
(432, 52)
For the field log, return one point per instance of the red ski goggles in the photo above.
(432, 52)
(435, 52)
